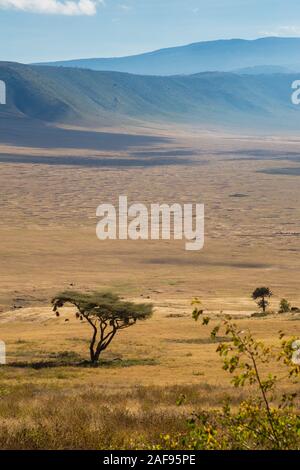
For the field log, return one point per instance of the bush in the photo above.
(268, 419)
(284, 306)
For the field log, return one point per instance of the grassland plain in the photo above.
(51, 399)
(48, 244)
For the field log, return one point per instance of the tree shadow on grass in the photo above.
(114, 363)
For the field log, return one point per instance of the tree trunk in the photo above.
(93, 356)
(96, 356)
(92, 346)
(95, 352)
(103, 343)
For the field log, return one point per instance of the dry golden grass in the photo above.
(162, 351)
(47, 224)
(50, 399)
(48, 243)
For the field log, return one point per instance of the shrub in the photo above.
(284, 306)
(257, 423)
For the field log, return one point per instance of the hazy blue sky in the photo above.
(33, 30)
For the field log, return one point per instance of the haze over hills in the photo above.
(221, 55)
(67, 95)
(264, 69)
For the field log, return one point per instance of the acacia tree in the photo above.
(105, 312)
(260, 295)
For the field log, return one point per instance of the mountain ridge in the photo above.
(220, 55)
(68, 95)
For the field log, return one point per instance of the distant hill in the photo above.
(222, 55)
(66, 95)
(266, 69)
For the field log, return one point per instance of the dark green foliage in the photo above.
(260, 295)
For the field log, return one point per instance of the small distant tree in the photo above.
(106, 313)
(260, 295)
(284, 306)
